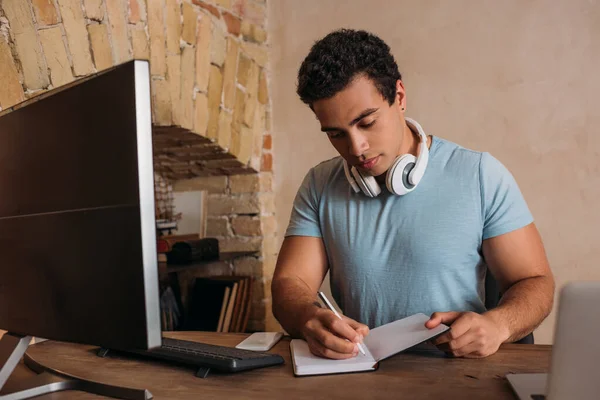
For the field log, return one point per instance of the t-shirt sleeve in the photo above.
(504, 208)
(304, 220)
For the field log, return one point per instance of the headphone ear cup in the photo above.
(350, 179)
(367, 183)
(397, 177)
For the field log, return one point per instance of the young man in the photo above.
(401, 236)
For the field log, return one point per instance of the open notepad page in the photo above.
(382, 342)
(392, 338)
(306, 363)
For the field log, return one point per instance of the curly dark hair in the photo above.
(338, 58)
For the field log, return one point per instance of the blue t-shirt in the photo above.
(393, 256)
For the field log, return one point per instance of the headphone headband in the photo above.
(419, 170)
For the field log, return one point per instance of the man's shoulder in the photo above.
(326, 170)
(329, 165)
(453, 156)
(452, 149)
(461, 162)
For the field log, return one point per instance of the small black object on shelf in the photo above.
(225, 256)
(188, 251)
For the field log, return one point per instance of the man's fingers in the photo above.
(443, 338)
(460, 327)
(465, 345)
(474, 343)
(361, 329)
(441, 318)
(331, 337)
(469, 348)
(341, 328)
(460, 345)
(333, 342)
(319, 349)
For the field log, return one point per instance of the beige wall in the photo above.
(517, 79)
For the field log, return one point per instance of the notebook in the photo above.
(381, 343)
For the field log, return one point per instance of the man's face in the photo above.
(362, 126)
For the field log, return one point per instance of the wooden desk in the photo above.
(415, 375)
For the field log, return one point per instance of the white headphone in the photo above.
(403, 176)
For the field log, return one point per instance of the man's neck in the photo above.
(410, 142)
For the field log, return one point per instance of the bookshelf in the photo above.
(218, 303)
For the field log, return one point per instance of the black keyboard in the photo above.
(209, 356)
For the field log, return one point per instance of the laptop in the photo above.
(575, 365)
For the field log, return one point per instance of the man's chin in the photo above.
(377, 171)
(373, 172)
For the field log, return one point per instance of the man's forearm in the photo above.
(292, 302)
(524, 306)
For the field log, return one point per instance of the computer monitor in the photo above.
(77, 216)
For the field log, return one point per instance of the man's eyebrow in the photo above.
(363, 114)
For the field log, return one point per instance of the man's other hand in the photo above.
(471, 335)
(330, 337)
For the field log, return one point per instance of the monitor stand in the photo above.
(13, 347)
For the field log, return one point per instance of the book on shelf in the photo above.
(247, 306)
(205, 303)
(236, 303)
(239, 304)
(223, 308)
(230, 304)
(220, 304)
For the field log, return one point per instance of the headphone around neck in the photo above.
(403, 176)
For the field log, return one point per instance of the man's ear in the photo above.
(400, 95)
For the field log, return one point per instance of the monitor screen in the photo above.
(77, 217)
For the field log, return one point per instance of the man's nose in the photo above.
(358, 143)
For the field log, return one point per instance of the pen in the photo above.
(330, 306)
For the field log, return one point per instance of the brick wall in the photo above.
(241, 214)
(210, 99)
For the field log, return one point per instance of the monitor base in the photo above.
(13, 347)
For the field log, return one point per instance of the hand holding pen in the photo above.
(328, 304)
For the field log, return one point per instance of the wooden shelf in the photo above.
(181, 284)
(226, 256)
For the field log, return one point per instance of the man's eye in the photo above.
(368, 125)
(335, 135)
